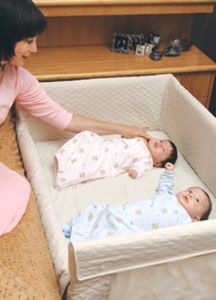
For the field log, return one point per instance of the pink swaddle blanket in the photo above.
(14, 194)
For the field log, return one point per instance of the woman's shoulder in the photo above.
(10, 70)
(20, 77)
(18, 80)
(10, 78)
(17, 72)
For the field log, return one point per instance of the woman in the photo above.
(20, 24)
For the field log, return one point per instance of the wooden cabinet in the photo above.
(76, 44)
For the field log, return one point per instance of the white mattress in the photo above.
(121, 189)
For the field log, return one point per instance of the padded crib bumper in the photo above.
(117, 254)
(56, 242)
(161, 102)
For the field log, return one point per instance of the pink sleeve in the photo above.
(35, 100)
(141, 166)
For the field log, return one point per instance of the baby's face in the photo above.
(160, 150)
(195, 201)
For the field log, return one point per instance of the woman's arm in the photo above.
(80, 123)
(34, 98)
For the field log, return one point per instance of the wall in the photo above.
(204, 36)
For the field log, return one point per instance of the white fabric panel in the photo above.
(116, 254)
(125, 99)
(96, 288)
(192, 278)
(56, 241)
(129, 100)
(193, 129)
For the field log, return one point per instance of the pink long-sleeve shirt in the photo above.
(21, 86)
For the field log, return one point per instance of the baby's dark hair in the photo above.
(206, 214)
(173, 155)
(19, 19)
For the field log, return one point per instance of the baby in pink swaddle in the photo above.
(88, 156)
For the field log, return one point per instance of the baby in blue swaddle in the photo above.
(165, 209)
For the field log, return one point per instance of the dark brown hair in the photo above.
(19, 19)
(173, 155)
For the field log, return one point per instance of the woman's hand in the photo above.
(135, 131)
(80, 123)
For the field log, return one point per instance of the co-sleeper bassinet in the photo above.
(162, 264)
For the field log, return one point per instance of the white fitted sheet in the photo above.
(68, 203)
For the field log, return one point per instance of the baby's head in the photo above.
(162, 151)
(196, 202)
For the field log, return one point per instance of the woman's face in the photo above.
(23, 49)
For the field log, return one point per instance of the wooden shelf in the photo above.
(115, 2)
(74, 46)
(63, 63)
(127, 7)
